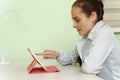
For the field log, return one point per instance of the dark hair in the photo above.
(79, 61)
(88, 6)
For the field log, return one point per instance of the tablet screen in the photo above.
(34, 56)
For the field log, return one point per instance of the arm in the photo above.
(100, 49)
(68, 58)
(61, 57)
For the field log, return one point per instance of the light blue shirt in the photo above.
(99, 53)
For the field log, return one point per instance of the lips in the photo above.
(78, 30)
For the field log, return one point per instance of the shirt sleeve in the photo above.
(68, 58)
(99, 50)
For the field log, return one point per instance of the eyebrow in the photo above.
(74, 17)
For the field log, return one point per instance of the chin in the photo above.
(80, 34)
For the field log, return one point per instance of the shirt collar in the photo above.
(94, 30)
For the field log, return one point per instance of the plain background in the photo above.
(44, 24)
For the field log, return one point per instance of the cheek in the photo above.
(86, 28)
(81, 25)
(89, 26)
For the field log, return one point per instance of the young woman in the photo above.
(97, 51)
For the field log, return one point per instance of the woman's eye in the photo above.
(77, 20)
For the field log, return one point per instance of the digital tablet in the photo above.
(34, 56)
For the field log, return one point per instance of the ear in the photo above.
(93, 16)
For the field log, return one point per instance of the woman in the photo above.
(97, 51)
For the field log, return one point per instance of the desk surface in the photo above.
(18, 71)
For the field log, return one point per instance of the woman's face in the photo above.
(81, 21)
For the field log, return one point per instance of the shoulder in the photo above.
(105, 31)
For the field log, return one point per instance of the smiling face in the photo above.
(82, 22)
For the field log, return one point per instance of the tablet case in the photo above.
(42, 69)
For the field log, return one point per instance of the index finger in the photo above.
(39, 54)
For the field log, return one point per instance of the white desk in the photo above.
(18, 71)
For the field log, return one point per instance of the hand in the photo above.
(49, 54)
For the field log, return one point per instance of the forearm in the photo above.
(67, 58)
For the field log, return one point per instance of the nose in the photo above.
(74, 25)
